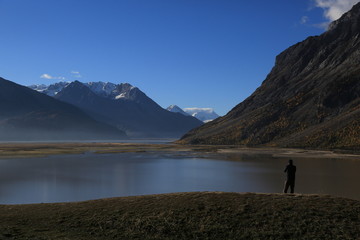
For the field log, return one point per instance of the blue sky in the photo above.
(193, 53)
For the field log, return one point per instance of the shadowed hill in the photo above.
(131, 110)
(28, 115)
(311, 97)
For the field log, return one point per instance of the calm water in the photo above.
(91, 176)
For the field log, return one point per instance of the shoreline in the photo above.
(31, 150)
(186, 215)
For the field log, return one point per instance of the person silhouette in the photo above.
(290, 180)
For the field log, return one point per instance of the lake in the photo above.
(63, 178)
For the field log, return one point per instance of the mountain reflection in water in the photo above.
(91, 176)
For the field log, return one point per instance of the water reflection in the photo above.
(91, 176)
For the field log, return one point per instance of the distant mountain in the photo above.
(103, 89)
(51, 90)
(311, 98)
(176, 109)
(26, 114)
(127, 108)
(203, 114)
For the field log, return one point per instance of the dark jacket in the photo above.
(290, 170)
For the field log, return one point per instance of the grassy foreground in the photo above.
(205, 215)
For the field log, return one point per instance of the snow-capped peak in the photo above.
(50, 90)
(38, 87)
(122, 90)
(176, 109)
(103, 89)
(203, 114)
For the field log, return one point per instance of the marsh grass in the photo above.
(19, 150)
(207, 215)
(29, 150)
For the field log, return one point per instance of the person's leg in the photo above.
(292, 187)
(286, 186)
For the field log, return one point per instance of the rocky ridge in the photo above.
(311, 97)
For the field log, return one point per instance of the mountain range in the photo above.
(26, 114)
(203, 114)
(123, 106)
(310, 99)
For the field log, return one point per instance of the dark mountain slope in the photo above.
(131, 110)
(311, 98)
(28, 115)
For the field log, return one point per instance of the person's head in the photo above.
(291, 162)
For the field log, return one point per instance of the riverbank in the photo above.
(200, 215)
(28, 150)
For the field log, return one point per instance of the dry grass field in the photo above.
(28, 150)
(198, 215)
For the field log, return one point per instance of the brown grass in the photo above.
(28, 150)
(207, 215)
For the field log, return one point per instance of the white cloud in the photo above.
(196, 109)
(334, 9)
(47, 76)
(304, 20)
(76, 74)
(323, 25)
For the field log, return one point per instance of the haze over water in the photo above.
(91, 176)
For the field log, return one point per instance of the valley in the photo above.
(84, 158)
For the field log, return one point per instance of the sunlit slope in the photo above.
(311, 97)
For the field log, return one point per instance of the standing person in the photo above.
(290, 180)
